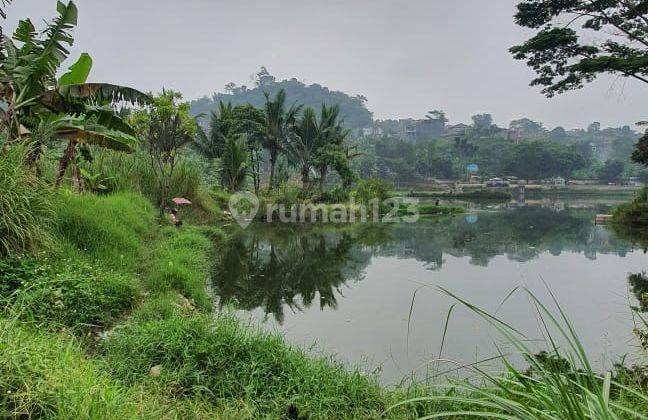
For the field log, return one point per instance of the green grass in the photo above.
(180, 262)
(26, 210)
(109, 229)
(559, 383)
(65, 292)
(226, 362)
(431, 210)
(47, 376)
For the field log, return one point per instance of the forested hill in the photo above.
(352, 108)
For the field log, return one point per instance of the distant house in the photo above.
(372, 131)
(429, 129)
(556, 181)
(457, 130)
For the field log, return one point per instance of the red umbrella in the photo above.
(180, 201)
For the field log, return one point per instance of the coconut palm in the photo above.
(331, 153)
(279, 121)
(71, 108)
(303, 142)
(234, 163)
(210, 143)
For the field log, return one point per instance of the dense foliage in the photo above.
(612, 37)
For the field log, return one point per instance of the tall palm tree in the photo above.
(234, 163)
(279, 121)
(331, 152)
(210, 143)
(303, 142)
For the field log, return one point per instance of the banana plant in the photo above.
(76, 111)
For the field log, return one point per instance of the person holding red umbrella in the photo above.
(174, 211)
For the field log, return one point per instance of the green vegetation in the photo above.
(106, 311)
(25, 205)
(538, 157)
(565, 58)
(65, 292)
(226, 362)
(48, 376)
(559, 383)
(633, 215)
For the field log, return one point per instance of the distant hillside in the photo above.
(353, 109)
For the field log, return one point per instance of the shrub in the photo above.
(334, 196)
(287, 194)
(133, 173)
(632, 215)
(64, 292)
(371, 189)
(559, 383)
(26, 210)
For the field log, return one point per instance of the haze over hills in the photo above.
(357, 116)
(352, 108)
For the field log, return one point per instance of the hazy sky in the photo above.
(406, 57)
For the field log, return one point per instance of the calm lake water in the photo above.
(350, 288)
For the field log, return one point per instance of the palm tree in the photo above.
(279, 121)
(70, 108)
(331, 152)
(303, 143)
(210, 144)
(234, 163)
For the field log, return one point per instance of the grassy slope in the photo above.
(118, 274)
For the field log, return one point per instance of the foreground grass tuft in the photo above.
(26, 210)
(226, 362)
(65, 292)
(46, 376)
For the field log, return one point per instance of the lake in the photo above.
(350, 288)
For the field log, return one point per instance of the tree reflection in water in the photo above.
(277, 267)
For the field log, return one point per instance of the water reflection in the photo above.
(282, 267)
(276, 266)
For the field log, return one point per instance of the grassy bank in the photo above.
(116, 322)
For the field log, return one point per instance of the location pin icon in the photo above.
(243, 206)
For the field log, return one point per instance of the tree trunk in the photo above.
(77, 181)
(304, 174)
(257, 173)
(64, 162)
(273, 162)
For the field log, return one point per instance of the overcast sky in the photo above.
(406, 57)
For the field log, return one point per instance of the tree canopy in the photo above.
(580, 39)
